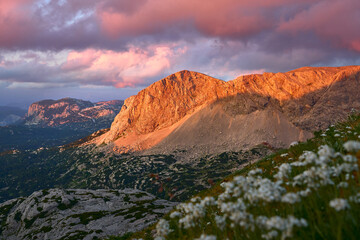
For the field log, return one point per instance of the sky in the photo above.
(111, 49)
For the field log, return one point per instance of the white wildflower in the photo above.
(344, 167)
(285, 225)
(326, 151)
(270, 235)
(187, 221)
(298, 164)
(339, 204)
(308, 157)
(175, 214)
(304, 193)
(352, 146)
(293, 144)
(220, 221)
(162, 228)
(255, 172)
(290, 198)
(336, 135)
(343, 185)
(355, 199)
(207, 201)
(284, 155)
(284, 170)
(350, 158)
(195, 199)
(206, 237)
(347, 176)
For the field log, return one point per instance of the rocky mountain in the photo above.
(69, 110)
(188, 109)
(184, 133)
(52, 123)
(10, 115)
(79, 214)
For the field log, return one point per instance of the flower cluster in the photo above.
(293, 181)
(162, 229)
(339, 204)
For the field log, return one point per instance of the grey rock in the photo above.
(79, 213)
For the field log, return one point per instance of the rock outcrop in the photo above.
(79, 214)
(305, 98)
(70, 110)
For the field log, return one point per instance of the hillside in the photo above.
(181, 156)
(308, 191)
(169, 110)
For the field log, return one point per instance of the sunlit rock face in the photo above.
(154, 113)
(70, 110)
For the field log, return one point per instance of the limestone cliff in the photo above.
(155, 112)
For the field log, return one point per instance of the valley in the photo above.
(179, 120)
(180, 136)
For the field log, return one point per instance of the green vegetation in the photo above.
(309, 191)
(4, 211)
(95, 168)
(75, 236)
(30, 138)
(29, 222)
(63, 206)
(18, 216)
(85, 218)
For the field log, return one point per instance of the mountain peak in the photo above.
(174, 97)
(156, 111)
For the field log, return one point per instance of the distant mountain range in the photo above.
(173, 139)
(10, 115)
(70, 110)
(54, 122)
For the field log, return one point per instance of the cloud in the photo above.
(332, 20)
(15, 21)
(130, 44)
(215, 18)
(120, 69)
(130, 68)
(115, 24)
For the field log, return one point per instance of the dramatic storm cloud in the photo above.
(112, 48)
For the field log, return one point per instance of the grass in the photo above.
(323, 221)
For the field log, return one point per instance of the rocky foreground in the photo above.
(79, 214)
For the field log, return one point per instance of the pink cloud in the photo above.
(336, 21)
(120, 69)
(213, 17)
(80, 60)
(15, 21)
